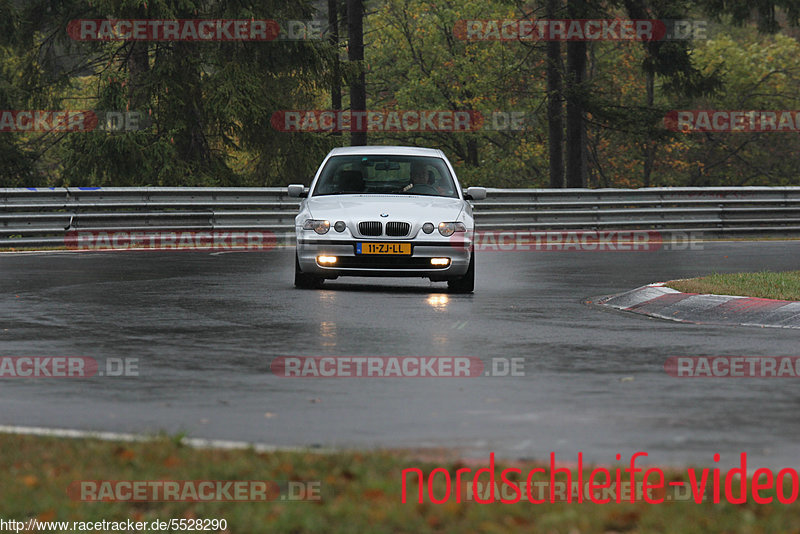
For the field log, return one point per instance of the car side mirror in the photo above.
(297, 191)
(475, 193)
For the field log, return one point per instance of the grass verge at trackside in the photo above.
(361, 493)
(765, 284)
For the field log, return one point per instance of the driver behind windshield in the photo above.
(419, 181)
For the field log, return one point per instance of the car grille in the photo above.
(397, 229)
(370, 228)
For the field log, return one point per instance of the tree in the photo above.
(355, 54)
(576, 78)
(555, 105)
(208, 103)
(420, 60)
(333, 38)
(764, 10)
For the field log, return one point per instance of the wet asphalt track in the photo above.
(206, 326)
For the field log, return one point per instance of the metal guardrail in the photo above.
(33, 217)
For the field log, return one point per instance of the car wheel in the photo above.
(303, 280)
(466, 283)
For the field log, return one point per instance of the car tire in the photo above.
(466, 283)
(304, 280)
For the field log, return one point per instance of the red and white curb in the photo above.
(656, 300)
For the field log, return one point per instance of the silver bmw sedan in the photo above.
(385, 211)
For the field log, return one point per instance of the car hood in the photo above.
(399, 207)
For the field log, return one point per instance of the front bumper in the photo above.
(351, 264)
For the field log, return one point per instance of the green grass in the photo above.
(764, 284)
(361, 493)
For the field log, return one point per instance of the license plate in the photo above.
(384, 248)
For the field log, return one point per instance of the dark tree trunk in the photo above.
(650, 146)
(138, 69)
(576, 129)
(555, 118)
(333, 38)
(472, 153)
(358, 86)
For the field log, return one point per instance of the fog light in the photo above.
(440, 262)
(326, 260)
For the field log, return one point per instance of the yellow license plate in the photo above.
(383, 248)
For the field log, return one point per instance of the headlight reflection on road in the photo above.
(327, 298)
(327, 332)
(438, 302)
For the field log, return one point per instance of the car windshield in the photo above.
(402, 175)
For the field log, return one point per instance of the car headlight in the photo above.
(449, 228)
(321, 227)
(427, 227)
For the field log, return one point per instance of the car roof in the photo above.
(386, 151)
